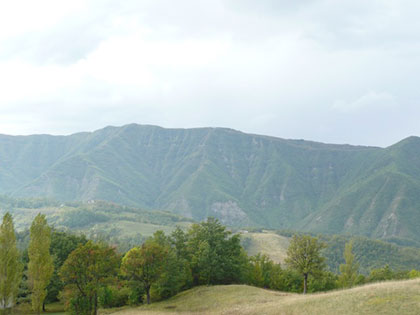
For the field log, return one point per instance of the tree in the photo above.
(40, 267)
(381, 274)
(350, 270)
(10, 266)
(216, 256)
(145, 265)
(86, 270)
(304, 255)
(261, 271)
(62, 244)
(176, 273)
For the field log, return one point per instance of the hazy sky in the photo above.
(344, 71)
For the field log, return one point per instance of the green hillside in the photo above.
(120, 225)
(382, 298)
(369, 253)
(242, 179)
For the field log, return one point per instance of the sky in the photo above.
(325, 70)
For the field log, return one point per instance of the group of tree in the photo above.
(39, 268)
(87, 275)
(32, 276)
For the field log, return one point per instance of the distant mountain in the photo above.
(242, 179)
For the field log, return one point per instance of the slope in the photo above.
(381, 298)
(242, 179)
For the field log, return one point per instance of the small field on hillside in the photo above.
(268, 243)
(396, 297)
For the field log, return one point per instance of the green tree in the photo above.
(350, 270)
(86, 270)
(414, 274)
(261, 271)
(62, 244)
(304, 255)
(145, 265)
(10, 266)
(40, 267)
(215, 255)
(176, 274)
(381, 274)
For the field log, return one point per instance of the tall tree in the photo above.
(86, 270)
(10, 266)
(40, 267)
(145, 265)
(350, 270)
(304, 255)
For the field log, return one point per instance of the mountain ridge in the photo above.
(243, 179)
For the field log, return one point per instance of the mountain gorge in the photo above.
(242, 179)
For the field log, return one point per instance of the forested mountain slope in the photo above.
(242, 179)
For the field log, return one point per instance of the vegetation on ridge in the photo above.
(244, 180)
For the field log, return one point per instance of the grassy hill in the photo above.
(242, 179)
(400, 297)
(268, 243)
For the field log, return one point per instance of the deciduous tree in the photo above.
(350, 270)
(40, 267)
(10, 266)
(86, 270)
(304, 255)
(145, 264)
(216, 256)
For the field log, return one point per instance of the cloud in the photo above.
(303, 69)
(371, 100)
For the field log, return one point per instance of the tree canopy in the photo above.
(10, 266)
(304, 255)
(40, 267)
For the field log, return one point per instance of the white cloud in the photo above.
(371, 100)
(273, 67)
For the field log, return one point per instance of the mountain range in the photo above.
(242, 179)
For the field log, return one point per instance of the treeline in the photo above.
(370, 253)
(86, 275)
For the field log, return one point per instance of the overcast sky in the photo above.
(344, 71)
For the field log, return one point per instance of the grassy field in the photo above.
(269, 243)
(398, 297)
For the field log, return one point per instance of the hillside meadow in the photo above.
(395, 297)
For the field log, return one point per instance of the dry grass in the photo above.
(399, 297)
(269, 243)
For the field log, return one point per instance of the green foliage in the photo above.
(40, 267)
(261, 271)
(324, 281)
(10, 266)
(287, 280)
(114, 296)
(215, 255)
(176, 273)
(370, 254)
(220, 172)
(62, 244)
(86, 270)
(349, 271)
(304, 255)
(81, 217)
(386, 273)
(146, 264)
(414, 274)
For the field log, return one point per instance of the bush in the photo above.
(114, 297)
